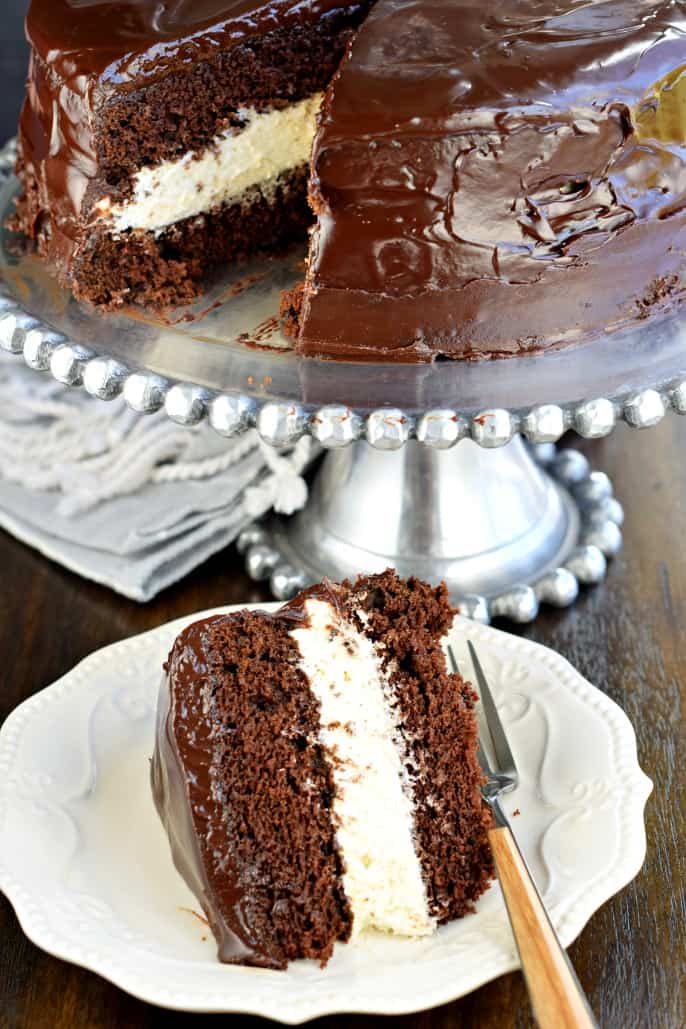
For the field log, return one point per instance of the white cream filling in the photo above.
(235, 163)
(372, 806)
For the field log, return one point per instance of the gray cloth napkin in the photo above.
(130, 501)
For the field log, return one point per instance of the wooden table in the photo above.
(627, 636)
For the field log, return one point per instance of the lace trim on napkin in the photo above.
(59, 440)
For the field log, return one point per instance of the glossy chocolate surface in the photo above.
(497, 177)
(490, 178)
(181, 780)
(124, 41)
(180, 776)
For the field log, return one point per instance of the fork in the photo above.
(557, 998)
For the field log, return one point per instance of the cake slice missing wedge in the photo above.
(316, 771)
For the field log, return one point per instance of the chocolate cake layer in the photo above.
(173, 267)
(495, 178)
(117, 90)
(316, 771)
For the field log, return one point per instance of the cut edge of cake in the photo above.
(157, 183)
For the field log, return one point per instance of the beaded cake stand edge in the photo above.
(333, 426)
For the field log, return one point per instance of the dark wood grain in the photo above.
(627, 636)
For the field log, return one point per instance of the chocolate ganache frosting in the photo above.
(182, 786)
(184, 801)
(492, 178)
(125, 42)
(186, 775)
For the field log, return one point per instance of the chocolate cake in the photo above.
(159, 141)
(316, 771)
(489, 177)
(492, 178)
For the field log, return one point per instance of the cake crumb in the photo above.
(196, 914)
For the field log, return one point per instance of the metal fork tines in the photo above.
(501, 773)
(557, 998)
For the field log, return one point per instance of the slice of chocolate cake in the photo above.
(316, 771)
(158, 141)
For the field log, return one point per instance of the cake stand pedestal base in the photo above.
(506, 529)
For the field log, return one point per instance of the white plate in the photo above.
(85, 862)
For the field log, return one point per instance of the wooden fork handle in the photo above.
(556, 996)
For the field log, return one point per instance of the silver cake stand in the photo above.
(447, 471)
